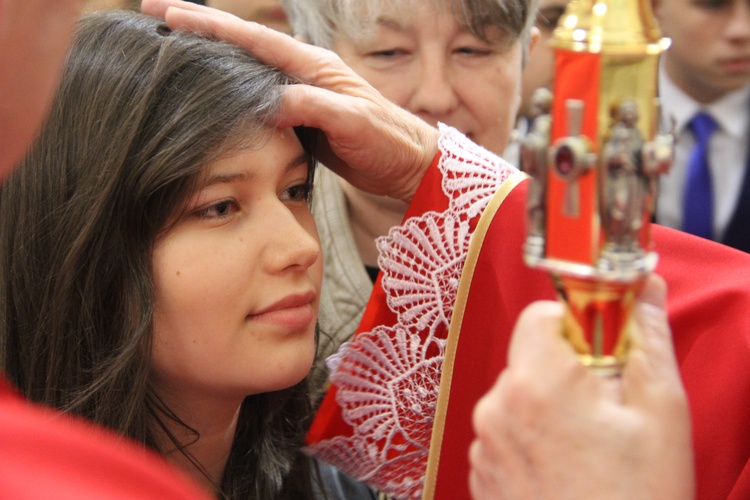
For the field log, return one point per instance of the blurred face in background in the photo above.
(710, 51)
(540, 68)
(423, 59)
(268, 12)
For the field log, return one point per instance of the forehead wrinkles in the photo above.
(489, 20)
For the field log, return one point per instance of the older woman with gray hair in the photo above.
(456, 62)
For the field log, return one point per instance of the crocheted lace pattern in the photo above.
(388, 379)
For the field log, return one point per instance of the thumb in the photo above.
(654, 292)
(652, 367)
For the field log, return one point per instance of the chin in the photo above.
(292, 374)
(286, 382)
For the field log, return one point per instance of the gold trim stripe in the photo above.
(464, 285)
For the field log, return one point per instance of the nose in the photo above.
(292, 240)
(738, 25)
(434, 94)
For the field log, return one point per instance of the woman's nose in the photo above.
(293, 242)
(434, 91)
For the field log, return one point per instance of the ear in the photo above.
(534, 35)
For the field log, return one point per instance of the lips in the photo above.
(736, 65)
(293, 312)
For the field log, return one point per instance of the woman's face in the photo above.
(237, 280)
(431, 65)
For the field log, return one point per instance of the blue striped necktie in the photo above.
(698, 202)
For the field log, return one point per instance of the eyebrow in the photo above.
(390, 23)
(295, 162)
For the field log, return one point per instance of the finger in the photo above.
(319, 108)
(158, 8)
(654, 292)
(652, 370)
(537, 337)
(546, 368)
(480, 483)
(498, 474)
(305, 62)
(652, 334)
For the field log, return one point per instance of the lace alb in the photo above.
(388, 379)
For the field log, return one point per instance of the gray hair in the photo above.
(321, 22)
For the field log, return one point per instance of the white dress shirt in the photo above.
(728, 152)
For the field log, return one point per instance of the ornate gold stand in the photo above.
(595, 167)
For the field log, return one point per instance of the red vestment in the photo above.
(398, 414)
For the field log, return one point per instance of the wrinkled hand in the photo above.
(552, 429)
(372, 143)
(34, 36)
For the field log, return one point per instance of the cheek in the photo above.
(163, 349)
(693, 57)
(316, 270)
(394, 85)
(495, 108)
(170, 360)
(196, 285)
(393, 82)
(316, 274)
(539, 71)
(690, 32)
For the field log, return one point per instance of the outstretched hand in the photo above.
(34, 35)
(551, 428)
(372, 143)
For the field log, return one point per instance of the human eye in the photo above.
(387, 54)
(218, 210)
(299, 192)
(468, 45)
(474, 51)
(713, 5)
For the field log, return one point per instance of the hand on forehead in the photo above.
(358, 122)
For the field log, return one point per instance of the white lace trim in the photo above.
(388, 379)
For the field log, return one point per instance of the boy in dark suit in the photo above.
(706, 73)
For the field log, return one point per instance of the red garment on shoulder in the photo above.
(709, 310)
(46, 454)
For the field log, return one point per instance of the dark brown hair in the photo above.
(140, 111)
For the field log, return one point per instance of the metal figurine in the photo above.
(533, 152)
(595, 172)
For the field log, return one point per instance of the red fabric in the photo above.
(570, 238)
(502, 285)
(45, 454)
(586, 89)
(709, 310)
